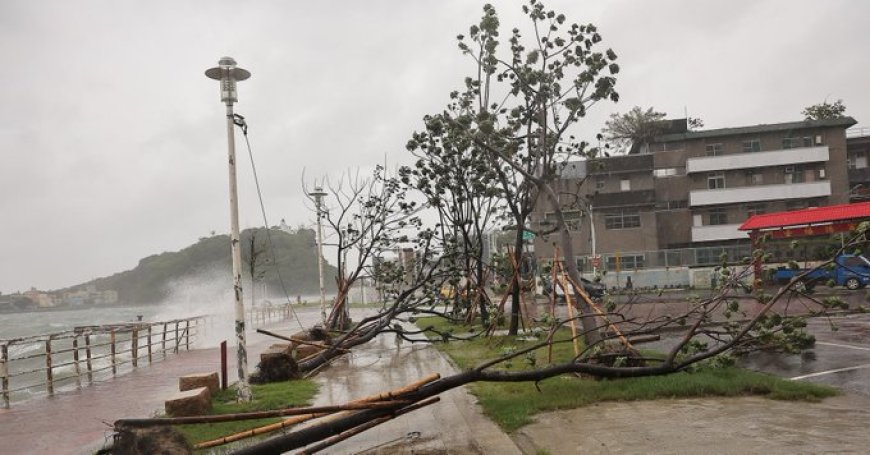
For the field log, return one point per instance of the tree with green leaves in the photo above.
(520, 107)
(630, 131)
(824, 110)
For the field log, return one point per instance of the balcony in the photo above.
(719, 232)
(624, 198)
(759, 193)
(758, 159)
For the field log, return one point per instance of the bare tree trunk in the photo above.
(588, 320)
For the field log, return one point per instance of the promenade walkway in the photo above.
(79, 421)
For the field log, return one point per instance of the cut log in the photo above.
(189, 403)
(195, 381)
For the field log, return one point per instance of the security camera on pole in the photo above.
(227, 73)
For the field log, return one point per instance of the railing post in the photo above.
(134, 346)
(88, 357)
(49, 371)
(177, 341)
(187, 335)
(112, 347)
(163, 345)
(78, 369)
(4, 374)
(149, 344)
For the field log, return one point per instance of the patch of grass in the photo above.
(512, 404)
(276, 395)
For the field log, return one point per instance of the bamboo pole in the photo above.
(49, 371)
(570, 304)
(162, 421)
(4, 374)
(602, 314)
(366, 426)
(88, 358)
(78, 370)
(296, 340)
(380, 397)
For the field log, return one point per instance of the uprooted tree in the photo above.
(518, 116)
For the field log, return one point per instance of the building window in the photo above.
(714, 149)
(599, 184)
(796, 205)
(856, 161)
(756, 178)
(794, 174)
(716, 180)
(625, 185)
(666, 172)
(622, 220)
(750, 146)
(672, 205)
(807, 141)
(625, 262)
(755, 208)
(718, 217)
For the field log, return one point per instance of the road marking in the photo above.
(849, 346)
(822, 373)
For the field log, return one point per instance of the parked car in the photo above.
(851, 271)
(595, 289)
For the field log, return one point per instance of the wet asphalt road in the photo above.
(840, 358)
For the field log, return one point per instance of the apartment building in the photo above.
(677, 202)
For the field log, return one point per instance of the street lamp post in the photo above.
(318, 194)
(227, 73)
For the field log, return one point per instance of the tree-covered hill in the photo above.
(209, 261)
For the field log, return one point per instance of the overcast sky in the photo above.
(113, 140)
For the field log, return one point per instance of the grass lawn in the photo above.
(266, 396)
(512, 405)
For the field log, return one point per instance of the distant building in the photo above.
(678, 201)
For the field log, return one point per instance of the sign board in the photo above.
(528, 235)
(596, 262)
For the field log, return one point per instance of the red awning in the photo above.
(815, 215)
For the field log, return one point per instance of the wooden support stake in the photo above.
(88, 358)
(370, 424)
(4, 374)
(49, 371)
(113, 348)
(134, 347)
(78, 370)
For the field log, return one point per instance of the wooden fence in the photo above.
(42, 363)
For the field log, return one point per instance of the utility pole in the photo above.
(318, 194)
(227, 73)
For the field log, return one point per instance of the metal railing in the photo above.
(262, 315)
(41, 364)
(858, 132)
